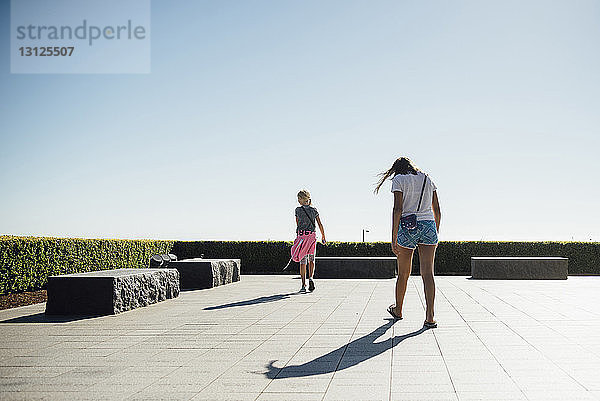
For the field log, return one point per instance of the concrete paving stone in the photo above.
(161, 388)
(278, 357)
(550, 385)
(26, 343)
(25, 361)
(127, 358)
(225, 397)
(428, 378)
(417, 350)
(423, 396)
(491, 396)
(290, 396)
(32, 371)
(380, 365)
(152, 395)
(416, 364)
(591, 384)
(402, 387)
(260, 331)
(479, 377)
(248, 366)
(470, 355)
(113, 390)
(472, 364)
(238, 384)
(23, 383)
(36, 386)
(401, 358)
(375, 380)
(128, 379)
(326, 329)
(362, 374)
(298, 385)
(177, 378)
(504, 385)
(308, 355)
(356, 393)
(542, 395)
(305, 370)
(52, 396)
(327, 341)
(522, 367)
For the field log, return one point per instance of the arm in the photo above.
(396, 215)
(437, 214)
(323, 240)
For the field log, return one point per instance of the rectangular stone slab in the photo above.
(109, 292)
(355, 267)
(199, 273)
(520, 268)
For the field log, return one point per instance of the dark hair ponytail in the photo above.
(402, 165)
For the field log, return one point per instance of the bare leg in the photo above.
(426, 259)
(303, 274)
(404, 267)
(311, 268)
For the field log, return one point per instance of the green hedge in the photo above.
(455, 257)
(26, 262)
(452, 258)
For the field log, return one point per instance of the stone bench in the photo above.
(519, 268)
(200, 273)
(109, 292)
(355, 267)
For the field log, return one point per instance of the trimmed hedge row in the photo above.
(452, 258)
(26, 262)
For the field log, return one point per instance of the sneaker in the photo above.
(303, 290)
(311, 285)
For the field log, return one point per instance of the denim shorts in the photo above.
(425, 234)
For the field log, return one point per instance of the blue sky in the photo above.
(249, 101)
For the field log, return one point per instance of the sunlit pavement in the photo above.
(260, 339)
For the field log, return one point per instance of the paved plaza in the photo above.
(259, 339)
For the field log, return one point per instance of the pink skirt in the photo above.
(305, 244)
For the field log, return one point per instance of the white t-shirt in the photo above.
(410, 185)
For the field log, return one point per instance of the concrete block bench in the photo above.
(200, 273)
(519, 268)
(109, 292)
(355, 267)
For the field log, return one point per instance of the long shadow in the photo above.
(351, 354)
(260, 300)
(43, 318)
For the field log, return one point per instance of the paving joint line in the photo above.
(351, 336)
(479, 338)
(435, 337)
(296, 353)
(231, 367)
(511, 329)
(517, 333)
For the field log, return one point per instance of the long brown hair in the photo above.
(402, 165)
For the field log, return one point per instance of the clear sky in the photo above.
(249, 101)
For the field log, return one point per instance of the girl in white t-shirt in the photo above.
(415, 223)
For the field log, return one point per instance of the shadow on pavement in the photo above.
(344, 357)
(260, 300)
